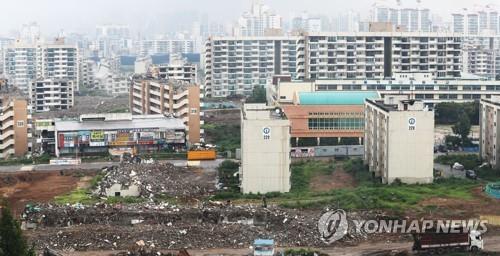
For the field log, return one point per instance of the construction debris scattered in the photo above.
(167, 226)
(153, 180)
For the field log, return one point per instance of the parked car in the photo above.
(470, 174)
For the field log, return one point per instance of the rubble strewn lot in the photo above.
(105, 227)
(158, 179)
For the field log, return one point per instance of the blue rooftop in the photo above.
(336, 97)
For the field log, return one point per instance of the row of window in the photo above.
(336, 123)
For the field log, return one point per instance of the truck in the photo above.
(263, 247)
(430, 240)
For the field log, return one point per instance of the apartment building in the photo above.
(399, 140)
(15, 127)
(88, 69)
(415, 19)
(51, 94)
(479, 20)
(265, 150)
(163, 46)
(176, 70)
(234, 65)
(480, 61)
(259, 20)
(24, 63)
(489, 128)
(420, 86)
(168, 97)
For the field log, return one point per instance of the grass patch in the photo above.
(488, 174)
(303, 171)
(82, 196)
(369, 194)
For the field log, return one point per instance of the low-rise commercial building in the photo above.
(15, 127)
(118, 133)
(399, 140)
(51, 94)
(44, 133)
(489, 128)
(168, 97)
(265, 150)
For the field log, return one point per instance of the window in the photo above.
(20, 123)
(336, 123)
(194, 110)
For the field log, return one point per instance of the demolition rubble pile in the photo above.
(156, 179)
(171, 227)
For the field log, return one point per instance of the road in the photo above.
(491, 244)
(208, 165)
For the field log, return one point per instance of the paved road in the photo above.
(208, 165)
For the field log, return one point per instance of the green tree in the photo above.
(258, 95)
(462, 128)
(226, 172)
(12, 242)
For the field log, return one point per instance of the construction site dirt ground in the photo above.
(22, 188)
(25, 187)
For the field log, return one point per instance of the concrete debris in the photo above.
(172, 227)
(152, 180)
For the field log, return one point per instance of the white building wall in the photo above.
(265, 156)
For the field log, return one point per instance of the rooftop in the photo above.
(136, 122)
(336, 97)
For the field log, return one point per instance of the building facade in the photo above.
(234, 65)
(24, 63)
(164, 46)
(51, 94)
(481, 20)
(420, 86)
(258, 21)
(117, 133)
(168, 97)
(408, 19)
(488, 138)
(399, 140)
(265, 150)
(330, 118)
(15, 127)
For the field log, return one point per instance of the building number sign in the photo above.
(266, 132)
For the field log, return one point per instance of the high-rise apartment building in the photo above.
(407, 19)
(258, 21)
(164, 46)
(15, 127)
(24, 63)
(234, 65)
(168, 97)
(51, 94)
(481, 20)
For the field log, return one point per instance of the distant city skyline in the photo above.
(162, 16)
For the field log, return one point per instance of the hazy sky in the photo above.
(83, 15)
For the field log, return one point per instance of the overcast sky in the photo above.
(83, 15)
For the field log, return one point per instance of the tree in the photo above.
(258, 95)
(12, 241)
(462, 128)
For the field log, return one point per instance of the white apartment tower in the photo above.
(415, 19)
(481, 20)
(24, 63)
(258, 20)
(399, 140)
(235, 65)
(265, 150)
